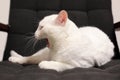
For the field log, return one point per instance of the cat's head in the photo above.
(52, 25)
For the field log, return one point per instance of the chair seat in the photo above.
(11, 71)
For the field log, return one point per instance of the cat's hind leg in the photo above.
(33, 59)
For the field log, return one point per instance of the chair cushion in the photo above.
(25, 15)
(11, 71)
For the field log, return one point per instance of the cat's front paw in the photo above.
(50, 65)
(16, 58)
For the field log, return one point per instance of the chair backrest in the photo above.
(25, 14)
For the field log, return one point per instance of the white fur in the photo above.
(70, 46)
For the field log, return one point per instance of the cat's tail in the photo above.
(16, 58)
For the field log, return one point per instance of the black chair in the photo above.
(24, 18)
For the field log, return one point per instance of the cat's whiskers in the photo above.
(35, 42)
(31, 41)
(28, 38)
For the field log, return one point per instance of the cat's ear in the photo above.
(62, 17)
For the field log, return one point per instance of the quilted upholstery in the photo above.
(10, 71)
(24, 18)
(25, 15)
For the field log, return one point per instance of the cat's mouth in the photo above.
(48, 44)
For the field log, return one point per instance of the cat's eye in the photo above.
(41, 27)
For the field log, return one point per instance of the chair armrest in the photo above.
(4, 27)
(117, 26)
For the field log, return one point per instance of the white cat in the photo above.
(69, 46)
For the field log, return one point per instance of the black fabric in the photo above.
(11, 71)
(24, 18)
(25, 15)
